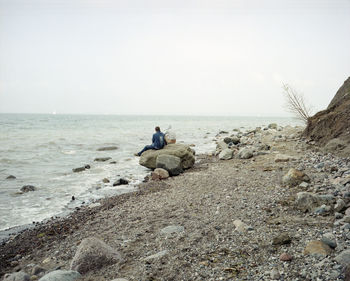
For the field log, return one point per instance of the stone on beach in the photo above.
(27, 188)
(245, 153)
(285, 257)
(282, 158)
(159, 174)
(79, 169)
(241, 226)
(272, 126)
(93, 254)
(343, 258)
(295, 177)
(156, 256)
(107, 148)
(102, 159)
(61, 275)
(148, 159)
(307, 201)
(10, 177)
(172, 229)
(17, 276)
(317, 248)
(121, 181)
(282, 239)
(226, 154)
(170, 163)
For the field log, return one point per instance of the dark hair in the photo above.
(157, 129)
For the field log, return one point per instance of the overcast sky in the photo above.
(203, 57)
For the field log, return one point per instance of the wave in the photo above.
(68, 152)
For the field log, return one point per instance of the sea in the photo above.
(42, 149)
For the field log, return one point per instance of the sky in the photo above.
(180, 57)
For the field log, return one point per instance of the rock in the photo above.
(304, 185)
(245, 153)
(262, 147)
(17, 276)
(120, 279)
(61, 275)
(235, 140)
(226, 154)
(102, 159)
(107, 148)
(121, 181)
(343, 258)
(241, 226)
(172, 229)
(338, 215)
(221, 145)
(170, 163)
(282, 239)
(148, 159)
(329, 239)
(318, 248)
(347, 273)
(11, 177)
(105, 180)
(79, 169)
(160, 174)
(294, 177)
(340, 205)
(156, 256)
(87, 166)
(282, 158)
(307, 201)
(37, 269)
(274, 274)
(285, 257)
(27, 188)
(93, 254)
(272, 126)
(323, 210)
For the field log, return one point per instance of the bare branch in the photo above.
(295, 103)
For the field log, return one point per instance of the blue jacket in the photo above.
(158, 140)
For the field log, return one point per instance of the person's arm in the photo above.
(153, 138)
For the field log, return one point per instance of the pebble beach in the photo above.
(281, 213)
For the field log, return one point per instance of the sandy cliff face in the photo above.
(333, 123)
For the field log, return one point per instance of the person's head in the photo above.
(157, 129)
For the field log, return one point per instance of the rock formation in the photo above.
(184, 152)
(331, 127)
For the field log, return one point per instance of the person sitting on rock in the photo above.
(158, 142)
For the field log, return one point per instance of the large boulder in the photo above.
(93, 254)
(184, 152)
(334, 122)
(170, 163)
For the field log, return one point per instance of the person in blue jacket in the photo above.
(158, 142)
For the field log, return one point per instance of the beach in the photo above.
(220, 220)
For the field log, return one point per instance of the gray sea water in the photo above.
(42, 150)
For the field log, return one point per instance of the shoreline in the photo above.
(206, 201)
